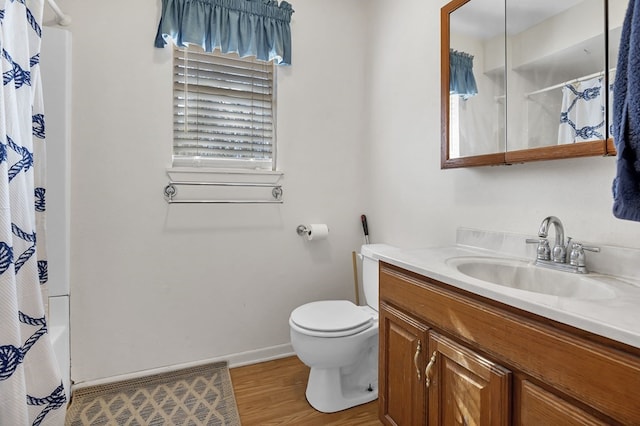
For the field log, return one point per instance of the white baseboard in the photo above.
(235, 360)
(260, 355)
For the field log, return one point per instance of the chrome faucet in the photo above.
(560, 251)
(566, 257)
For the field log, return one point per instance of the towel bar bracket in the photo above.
(170, 191)
(277, 193)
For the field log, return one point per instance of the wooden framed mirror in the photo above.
(541, 86)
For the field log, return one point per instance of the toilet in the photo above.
(339, 342)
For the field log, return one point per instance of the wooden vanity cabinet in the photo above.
(465, 388)
(541, 407)
(403, 343)
(491, 364)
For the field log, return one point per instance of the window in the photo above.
(223, 110)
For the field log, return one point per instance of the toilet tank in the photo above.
(370, 255)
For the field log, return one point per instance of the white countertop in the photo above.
(616, 317)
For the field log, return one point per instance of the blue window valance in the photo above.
(259, 28)
(461, 79)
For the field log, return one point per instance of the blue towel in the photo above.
(626, 118)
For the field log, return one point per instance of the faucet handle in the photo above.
(577, 257)
(590, 248)
(543, 251)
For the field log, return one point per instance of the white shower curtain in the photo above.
(31, 391)
(582, 113)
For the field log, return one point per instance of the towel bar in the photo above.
(170, 192)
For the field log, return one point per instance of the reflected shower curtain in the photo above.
(31, 391)
(582, 114)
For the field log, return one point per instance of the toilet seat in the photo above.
(331, 318)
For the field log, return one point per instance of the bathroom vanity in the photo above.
(456, 350)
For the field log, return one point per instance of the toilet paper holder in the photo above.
(303, 230)
(314, 231)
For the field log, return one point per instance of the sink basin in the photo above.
(523, 275)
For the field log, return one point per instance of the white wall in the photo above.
(55, 63)
(413, 203)
(156, 285)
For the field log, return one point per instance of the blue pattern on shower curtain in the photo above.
(583, 112)
(31, 390)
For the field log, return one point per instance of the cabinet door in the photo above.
(464, 388)
(537, 407)
(401, 393)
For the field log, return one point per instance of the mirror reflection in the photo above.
(527, 80)
(616, 14)
(476, 79)
(556, 87)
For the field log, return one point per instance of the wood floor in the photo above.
(272, 393)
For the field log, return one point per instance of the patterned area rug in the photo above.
(194, 396)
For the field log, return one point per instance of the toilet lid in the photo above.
(331, 316)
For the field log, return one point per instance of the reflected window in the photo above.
(454, 126)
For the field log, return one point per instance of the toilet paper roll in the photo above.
(317, 231)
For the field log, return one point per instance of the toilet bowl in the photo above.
(339, 342)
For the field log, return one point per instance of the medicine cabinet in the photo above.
(527, 81)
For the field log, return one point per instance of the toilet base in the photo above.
(335, 389)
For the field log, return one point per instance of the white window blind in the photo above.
(223, 110)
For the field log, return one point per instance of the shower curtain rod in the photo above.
(63, 19)
(557, 86)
